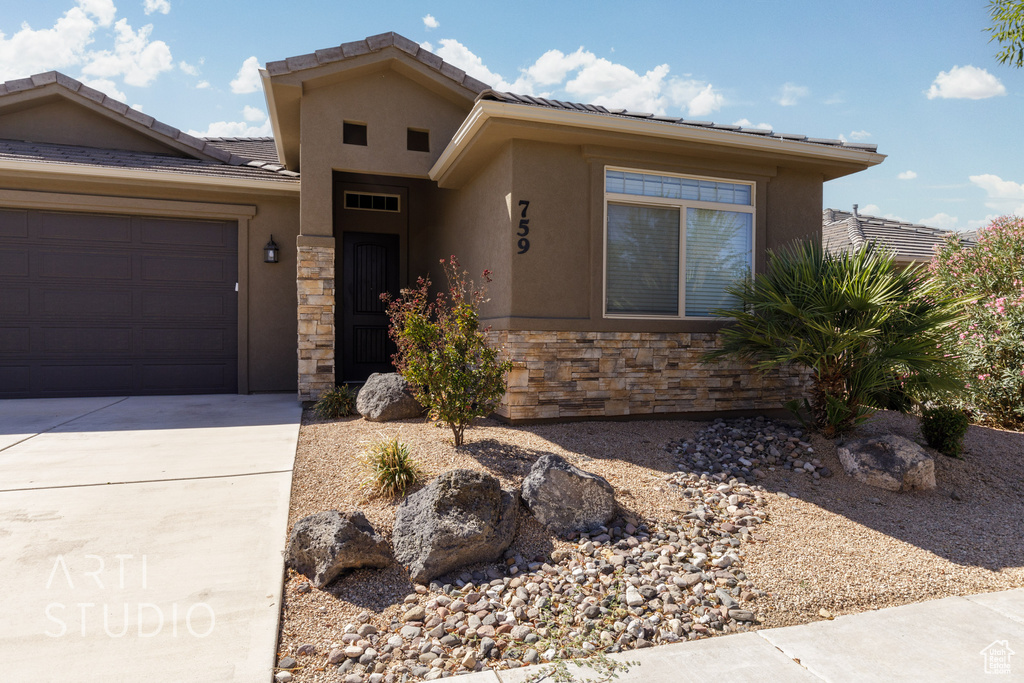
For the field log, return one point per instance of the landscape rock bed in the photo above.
(827, 543)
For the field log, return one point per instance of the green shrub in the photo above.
(442, 351)
(390, 468)
(869, 332)
(944, 429)
(338, 402)
(990, 340)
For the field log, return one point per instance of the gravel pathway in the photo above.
(726, 527)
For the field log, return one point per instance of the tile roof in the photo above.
(375, 44)
(222, 154)
(257, 149)
(845, 230)
(75, 155)
(513, 98)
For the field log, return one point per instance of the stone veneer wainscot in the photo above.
(593, 374)
(315, 284)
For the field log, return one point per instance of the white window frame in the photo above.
(682, 205)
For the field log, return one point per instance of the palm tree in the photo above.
(870, 334)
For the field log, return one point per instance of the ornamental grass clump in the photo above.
(337, 402)
(989, 339)
(870, 334)
(443, 353)
(390, 468)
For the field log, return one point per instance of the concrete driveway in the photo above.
(141, 537)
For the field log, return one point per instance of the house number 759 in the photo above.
(524, 228)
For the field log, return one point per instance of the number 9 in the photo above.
(524, 245)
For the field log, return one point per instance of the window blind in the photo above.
(643, 260)
(718, 253)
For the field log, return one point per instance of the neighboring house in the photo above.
(611, 235)
(911, 243)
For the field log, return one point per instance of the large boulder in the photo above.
(890, 462)
(324, 545)
(461, 517)
(385, 397)
(566, 498)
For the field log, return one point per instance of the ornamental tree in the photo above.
(990, 340)
(443, 353)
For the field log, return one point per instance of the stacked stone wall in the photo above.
(315, 286)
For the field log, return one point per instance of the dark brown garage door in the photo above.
(97, 305)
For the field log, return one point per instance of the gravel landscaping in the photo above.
(724, 527)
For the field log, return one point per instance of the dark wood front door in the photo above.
(370, 268)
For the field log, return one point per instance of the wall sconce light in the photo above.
(271, 252)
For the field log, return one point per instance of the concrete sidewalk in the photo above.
(141, 538)
(952, 639)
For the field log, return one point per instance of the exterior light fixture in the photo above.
(271, 252)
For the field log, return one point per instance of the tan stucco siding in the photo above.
(388, 104)
(267, 305)
(793, 207)
(61, 122)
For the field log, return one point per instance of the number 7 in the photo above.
(525, 204)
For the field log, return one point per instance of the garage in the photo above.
(103, 305)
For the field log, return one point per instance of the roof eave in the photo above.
(275, 123)
(485, 110)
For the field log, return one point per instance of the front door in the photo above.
(370, 267)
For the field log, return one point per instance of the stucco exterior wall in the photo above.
(267, 304)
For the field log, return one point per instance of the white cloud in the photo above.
(137, 107)
(965, 82)
(107, 87)
(202, 85)
(188, 68)
(1005, 196)
(584, 76)
(137, 60)
(874, 210)
(860, 135)
(248, 78)
(426, 45)
(253, 114)
(790, 94)
(907, 175)
(233, 129)
(940, 220)
(745, 123)
(161, 6)
(430, 22)
(983, 222)
(62, 46)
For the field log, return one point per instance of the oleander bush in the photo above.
(989, 340)
(443, 353)
(870, 333)
(944, 428)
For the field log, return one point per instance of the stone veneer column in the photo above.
(314, 279)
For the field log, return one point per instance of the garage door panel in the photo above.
(14, 301)
(82, 265)
(194, 341)
(189, 305)
(15, 340)
(13, 224)
(197, 378)
(77, 378)
(186, 234)
(194, 269)
(84, 303)
(14, 263)
(114, 305)
(72, 227)
(85, 341)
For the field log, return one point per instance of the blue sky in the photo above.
(918, 79)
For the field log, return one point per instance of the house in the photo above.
(911, 243)
(132, 254)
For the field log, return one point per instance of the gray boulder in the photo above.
(385, 397)
(461, 517)
(890, 462)
(566, 498)
(324, 545)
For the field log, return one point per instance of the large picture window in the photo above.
(674, 243)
